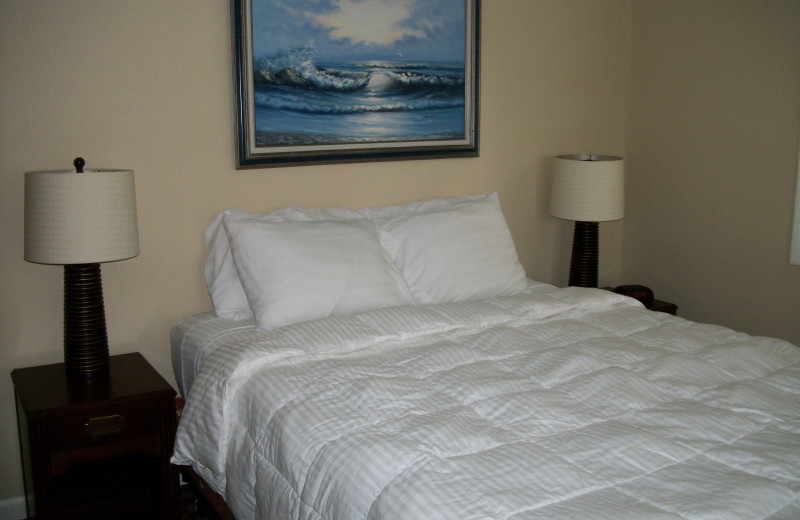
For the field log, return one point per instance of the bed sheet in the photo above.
(554, 403)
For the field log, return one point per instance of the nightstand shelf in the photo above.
(99, 448)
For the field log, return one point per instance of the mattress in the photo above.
(194, 338)
(553, 403)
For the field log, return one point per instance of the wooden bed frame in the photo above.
(214, 499)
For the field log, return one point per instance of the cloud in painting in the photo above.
(363, 29)
(377, 22)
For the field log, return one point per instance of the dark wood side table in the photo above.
(99, 448)
(662, 306)
(657, 305)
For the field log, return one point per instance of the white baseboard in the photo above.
(13, 508)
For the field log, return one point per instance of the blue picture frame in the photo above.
(355, 80)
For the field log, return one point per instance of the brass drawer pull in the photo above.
(101, 426)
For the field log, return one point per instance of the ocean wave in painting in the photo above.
(419, 100)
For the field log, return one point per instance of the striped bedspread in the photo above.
(550, 404)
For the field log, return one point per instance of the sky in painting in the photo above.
(362, 29)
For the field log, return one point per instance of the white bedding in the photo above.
(553, 403)
(196, 337)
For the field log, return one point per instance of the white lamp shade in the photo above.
(588, 188)
(80, 218)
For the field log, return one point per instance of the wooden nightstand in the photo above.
(662, 306)
(657, 305)
(99, 448)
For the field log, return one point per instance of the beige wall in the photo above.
(147, 85)
(711, 151)
(712, 160)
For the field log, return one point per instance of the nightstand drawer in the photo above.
(102, 425)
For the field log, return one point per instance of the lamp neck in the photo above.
(585, 248)
(85, 337)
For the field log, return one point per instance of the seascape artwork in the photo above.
(360, 74)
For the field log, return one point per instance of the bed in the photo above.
(419, 374)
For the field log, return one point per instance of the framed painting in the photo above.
(322, 81)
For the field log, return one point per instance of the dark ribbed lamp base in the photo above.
(583, 266)
(85, 337)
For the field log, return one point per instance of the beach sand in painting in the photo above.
(265, 139)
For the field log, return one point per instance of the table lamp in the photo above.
(587, 189)
(80, 219)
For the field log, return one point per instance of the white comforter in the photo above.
(555, 403)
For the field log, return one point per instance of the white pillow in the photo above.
(385, 213)
(458, 253)
(298, 271)
(222, 280)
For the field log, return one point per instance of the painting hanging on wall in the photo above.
(322, 81)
